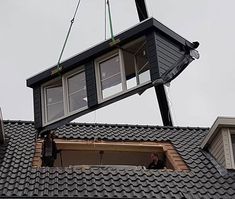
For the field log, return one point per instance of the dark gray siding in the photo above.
(168, 53)
(37, 107)
(91, 84)
(152, 55)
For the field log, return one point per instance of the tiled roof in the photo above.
(19, 179)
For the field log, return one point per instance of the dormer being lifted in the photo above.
(146, 55)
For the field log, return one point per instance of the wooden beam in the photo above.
(109, 146)
(174, 158)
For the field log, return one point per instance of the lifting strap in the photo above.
(114, 41)
(110, 21)
(67, 36)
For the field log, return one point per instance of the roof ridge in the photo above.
(137, 125)
(114, 125)
(19, 121)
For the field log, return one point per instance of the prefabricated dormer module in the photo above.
(144, 56)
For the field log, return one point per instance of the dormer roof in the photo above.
(134, 32)
(220, 122)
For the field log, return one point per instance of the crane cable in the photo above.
(67, 36)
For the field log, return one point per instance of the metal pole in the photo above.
(159, 89)
(141, 9)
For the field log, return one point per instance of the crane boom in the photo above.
(159, 89)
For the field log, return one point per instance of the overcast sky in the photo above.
(32, 33)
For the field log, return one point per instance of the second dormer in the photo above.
(220, 142)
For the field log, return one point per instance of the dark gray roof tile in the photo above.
(17, 178)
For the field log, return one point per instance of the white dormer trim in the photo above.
(221, 122)
(219, 143)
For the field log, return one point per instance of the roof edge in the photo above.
(35, 78)
(81, 58)
(124, 125)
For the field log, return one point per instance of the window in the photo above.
(122, 70)
(77, 95)
(77, 153)
(110, 76)
(136, 63)
(64, 96)
(54, 104)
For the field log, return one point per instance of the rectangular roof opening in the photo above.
(75, 153)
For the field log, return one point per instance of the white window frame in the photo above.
(43, 100)
(136, 69)
(64, 82)
(66, 88)
(97, 72)
(107, 56)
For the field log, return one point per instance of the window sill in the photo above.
(123, 92)
(65, 116)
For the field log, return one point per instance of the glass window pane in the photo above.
(54, 102)
(233, 145)
(129, 63)
(110, 77)
(142, 64)
(55, 111)
(77, 92)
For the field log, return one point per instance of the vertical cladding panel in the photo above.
(217, 149)
(37, 107)
(91, 84)
(168, 53)
(152, 55)
(227, 147)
